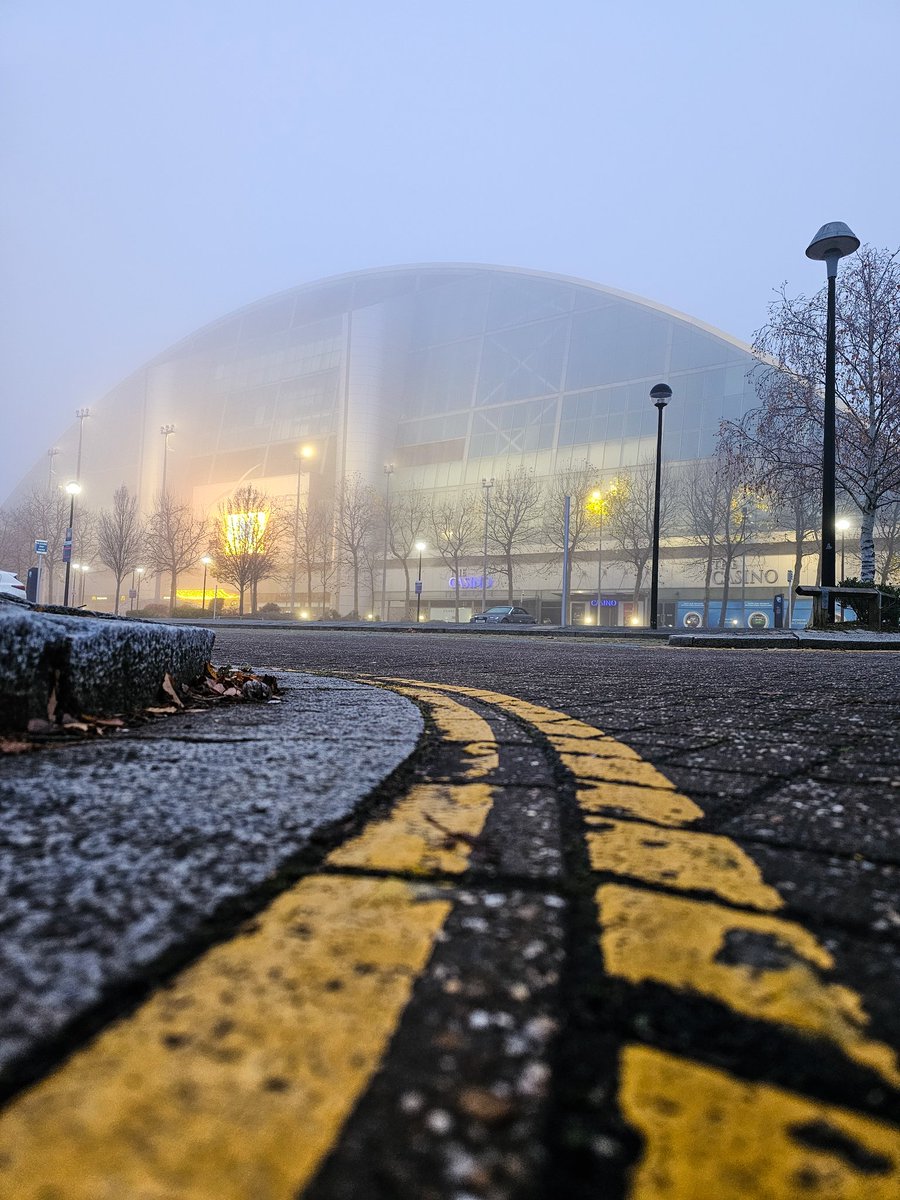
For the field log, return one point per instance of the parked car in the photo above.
(11, 585)
(503, 614)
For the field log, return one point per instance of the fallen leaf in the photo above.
(113, 722)
(8, 746)
(169, 688)
(39, 725)
(169, 709)
(51, 705)
(484, 1105)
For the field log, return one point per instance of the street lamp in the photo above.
(597, 505)
(73, 488)
(660, 394)
(51, 454)
(166, 431)
(833, 242)
(304, 460)
(206, 560)
(420, 546)
(139, 571)
(388, 472)
(486, 485)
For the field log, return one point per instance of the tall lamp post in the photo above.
(486, 485)
(660, 394)
(388, 472)
(166, 431)
(834, 241)
(304, 459)
(73, 488)
(51, 454)
(420, 546)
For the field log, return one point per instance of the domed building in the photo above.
(447, 374)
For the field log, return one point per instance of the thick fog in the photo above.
(165, 163)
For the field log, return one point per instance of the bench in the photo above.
(865, 602)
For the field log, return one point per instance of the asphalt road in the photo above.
(627, 924)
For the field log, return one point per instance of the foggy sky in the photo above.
(165, 162)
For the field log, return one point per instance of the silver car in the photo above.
(503, 614)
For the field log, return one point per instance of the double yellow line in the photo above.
(236, 1079)
(708, 1135)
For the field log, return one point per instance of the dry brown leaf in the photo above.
(39, 725)
(52, 705)
(114, 722)
(169, 688)
(168, 709)
(8, 746)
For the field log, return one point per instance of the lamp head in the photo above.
(834, 240)
(421, 546)
(206, 560)
(307, 452)
(73, 487)
(660, 394)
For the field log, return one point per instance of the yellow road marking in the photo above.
(680, 859)
(235, 1081)
(684, 943)
(709, 1137)
(651, 804)
(418, 835)
(431, 829)
(703, 948)
(609, 774)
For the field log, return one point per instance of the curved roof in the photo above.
(450, 269)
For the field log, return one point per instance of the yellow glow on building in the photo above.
(244, 532)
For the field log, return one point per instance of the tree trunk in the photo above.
(173, 591)
(241, 588)
(456, 592)
(707, 585)
(726, 588)
(509, 577)
(867, 544)
(118, 590)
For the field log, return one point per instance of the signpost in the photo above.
(40, 549)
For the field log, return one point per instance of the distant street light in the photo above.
(420, 546)
(139, 571)
(73, 488)
(486, 485)
(833, 242)
(660, 394)
(206, 560)
(51, 454)
(388, 472)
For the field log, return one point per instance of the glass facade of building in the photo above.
(450, 372)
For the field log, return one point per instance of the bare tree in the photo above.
(576, 481)
(174, 539)
(704, 497)
(454, 524)
(120, 537)
(888, 531)
(43, 514)
(406, 516)
(310, 523)
(514, 517)
(357, 521)
(630, 520)
(246, 541)
(785, 431)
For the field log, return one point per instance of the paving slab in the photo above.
(112, 852)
